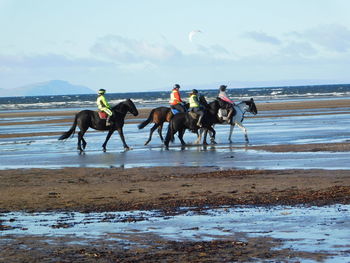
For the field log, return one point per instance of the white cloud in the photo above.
(262, 37)
(213, 50)
(332, 36)
(298, 48)
(124, 50)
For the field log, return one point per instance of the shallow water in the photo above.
(48, 152)
(311, 229)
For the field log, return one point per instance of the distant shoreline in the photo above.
(206, 87)
(270, 106)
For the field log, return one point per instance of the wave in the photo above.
(161, 98)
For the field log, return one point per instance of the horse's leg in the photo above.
(205, 137)
(121, 134)
(212, 133)
(84, 142)
(231, 130)
(181, 135)
(199, 137)
(107, 139)
(151, 132)
(240, 125)
(160, 128)
(81, 139)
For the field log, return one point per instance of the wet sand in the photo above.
(167, 188)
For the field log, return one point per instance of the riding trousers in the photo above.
(106, 110)
(198, 110)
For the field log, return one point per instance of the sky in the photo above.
(134, 45)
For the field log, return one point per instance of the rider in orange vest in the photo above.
(175, 99)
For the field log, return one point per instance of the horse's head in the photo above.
(251, 107)
(126, 106)
(203, 101)
(131, 107)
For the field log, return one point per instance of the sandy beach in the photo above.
(167, 189)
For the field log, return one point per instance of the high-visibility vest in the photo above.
(194, 101)
(102, 102)
(173, 98)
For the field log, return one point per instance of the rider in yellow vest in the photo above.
(175, 99)
(103, 105)
(196, 107)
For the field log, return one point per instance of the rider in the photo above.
(103, 105)
(175, 99)
(196, 107)
(223, 96)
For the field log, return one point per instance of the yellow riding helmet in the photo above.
(102, 91)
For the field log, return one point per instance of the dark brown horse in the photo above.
(87, 118)
(182, 121)
(157, 116)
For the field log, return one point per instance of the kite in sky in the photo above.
(192, 33)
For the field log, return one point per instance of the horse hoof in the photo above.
(127, 149)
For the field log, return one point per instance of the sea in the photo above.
(161, 98)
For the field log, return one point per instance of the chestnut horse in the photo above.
(157, 116)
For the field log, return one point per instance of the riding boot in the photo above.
(108, 123)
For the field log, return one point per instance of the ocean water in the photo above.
(160, 98)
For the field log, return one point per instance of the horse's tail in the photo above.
(71, 131)
(146, 122)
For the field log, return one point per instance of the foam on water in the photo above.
(160, 98)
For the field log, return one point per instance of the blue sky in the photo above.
(144, 45)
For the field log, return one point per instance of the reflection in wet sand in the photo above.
(298, 228)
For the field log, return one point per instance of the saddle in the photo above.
(102, 115)
(174, 111)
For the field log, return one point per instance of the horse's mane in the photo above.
(120, 105)
(124, 106)
(117, 106)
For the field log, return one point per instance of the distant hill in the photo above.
(53, 87)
